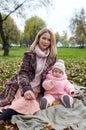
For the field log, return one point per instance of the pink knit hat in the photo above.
(60, 65)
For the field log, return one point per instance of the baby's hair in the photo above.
(60, 60)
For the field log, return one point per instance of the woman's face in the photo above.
(44, 41)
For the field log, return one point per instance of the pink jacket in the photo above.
(58, 86)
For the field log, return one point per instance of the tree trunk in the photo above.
(6, 49)
(4, 40)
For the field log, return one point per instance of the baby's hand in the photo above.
(50, 83)
(72, 93)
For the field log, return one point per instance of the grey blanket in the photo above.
(59, 117)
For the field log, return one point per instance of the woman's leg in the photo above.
(7, 114)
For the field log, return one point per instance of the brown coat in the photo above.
(23, 78)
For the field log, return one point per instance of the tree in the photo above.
(78, 27)
(62, 38)
(57, 37)
(32, 26)
(72, 41)
(18, 7)
(11, 32)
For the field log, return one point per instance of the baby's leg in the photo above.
(46, 101)
(67, 100)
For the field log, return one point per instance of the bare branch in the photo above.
(18, 6)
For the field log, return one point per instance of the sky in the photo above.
(59, 17)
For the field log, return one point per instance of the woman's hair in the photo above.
(53, 48)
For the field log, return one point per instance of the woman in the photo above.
(25, 86)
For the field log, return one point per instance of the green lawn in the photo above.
(64, 53)
(72, 53)
(14, 52)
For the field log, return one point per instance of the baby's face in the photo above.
(57, 73)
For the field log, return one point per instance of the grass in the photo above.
(14, 52)
(71, 53)
(63, 53)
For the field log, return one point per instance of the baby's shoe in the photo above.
(44, 103)
(29, 95)
(66, 101)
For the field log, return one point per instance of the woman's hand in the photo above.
(29, 95)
